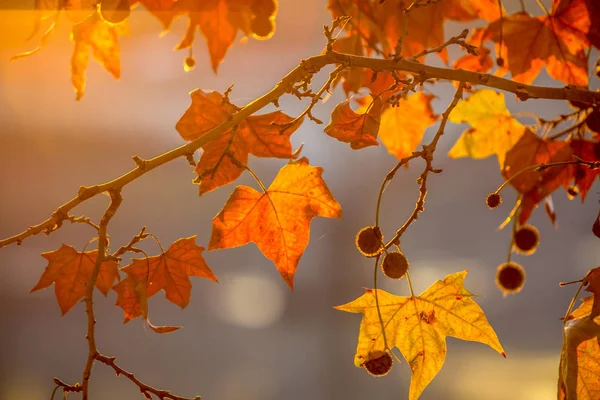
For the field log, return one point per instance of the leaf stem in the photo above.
(573, 300)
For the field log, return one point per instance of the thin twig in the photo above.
(115, 202)
(427, 155)
(145, 389)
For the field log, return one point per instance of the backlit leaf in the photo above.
(359, 130)
(266, 135)
(418, 326)
(277, 221)
(70, 270)
(493, 129)
(402, 127)
(169, 271)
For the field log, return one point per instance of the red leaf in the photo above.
(584, 176)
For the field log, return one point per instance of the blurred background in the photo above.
(248, 337)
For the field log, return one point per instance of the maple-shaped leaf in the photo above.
(585, 176)
(101, 39)
(220, 20)
(163, 10)
(559, 41)
(536, 185)
(70, 270)
(403, 126)
(259, 135)
(359, 130)
(418, 326)
(493, 130)
(278, 220)
(579, 372)
(169, 271)
(383, 23)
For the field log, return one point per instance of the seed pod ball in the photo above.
(262, 27)
(572, 192)
(510, 277)
(394, 265)
(189, 63)
(369, 241)
(526, 239)
(493, 200)
(379, 363)
(593, 120)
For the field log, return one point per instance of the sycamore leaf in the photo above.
(219, 22)
(359, 130)
(558, 41)
(402, 127)
(277, 221)
(70, 270)
(418, 326)
(536, 185)
(169, 271)
(584, 176)
(383, 22)
(259, 135)
(493, 129)
(101, 39)
(579, 372)
(162, 9)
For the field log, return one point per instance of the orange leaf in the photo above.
(70, 270)
(277, 221)
(535, 186)
(360, 130)
(101, 39)
(383, 22)
(169, 271)
(402, 127)
(219, 22)
(559, 41)
(161, 9)
(259, 135)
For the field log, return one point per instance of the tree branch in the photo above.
(305, 69)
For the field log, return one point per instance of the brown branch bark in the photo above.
(306, 69)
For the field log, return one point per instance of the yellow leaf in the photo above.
(402, 127)
(493, 130)
(579, 372)
(419, 325)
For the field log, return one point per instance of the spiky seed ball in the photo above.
(379, 363)
(510, 277)
(189, 63)
(500, 61)
(394, 265)
(593, 120)
(526, 239)
(572, 192)
(493, 200)
(368, 241)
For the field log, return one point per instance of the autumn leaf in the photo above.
(163, 10)
(101, 39)
(536, 185)
(169, 271)
(219, 21)
(70, 270)
(359, 130)
(382, 23)
(558, 41)
(278, 220)
(493, 129)
(585, 176)
(419, 325)
(266, 135)
(403, 126)
(579, 372)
